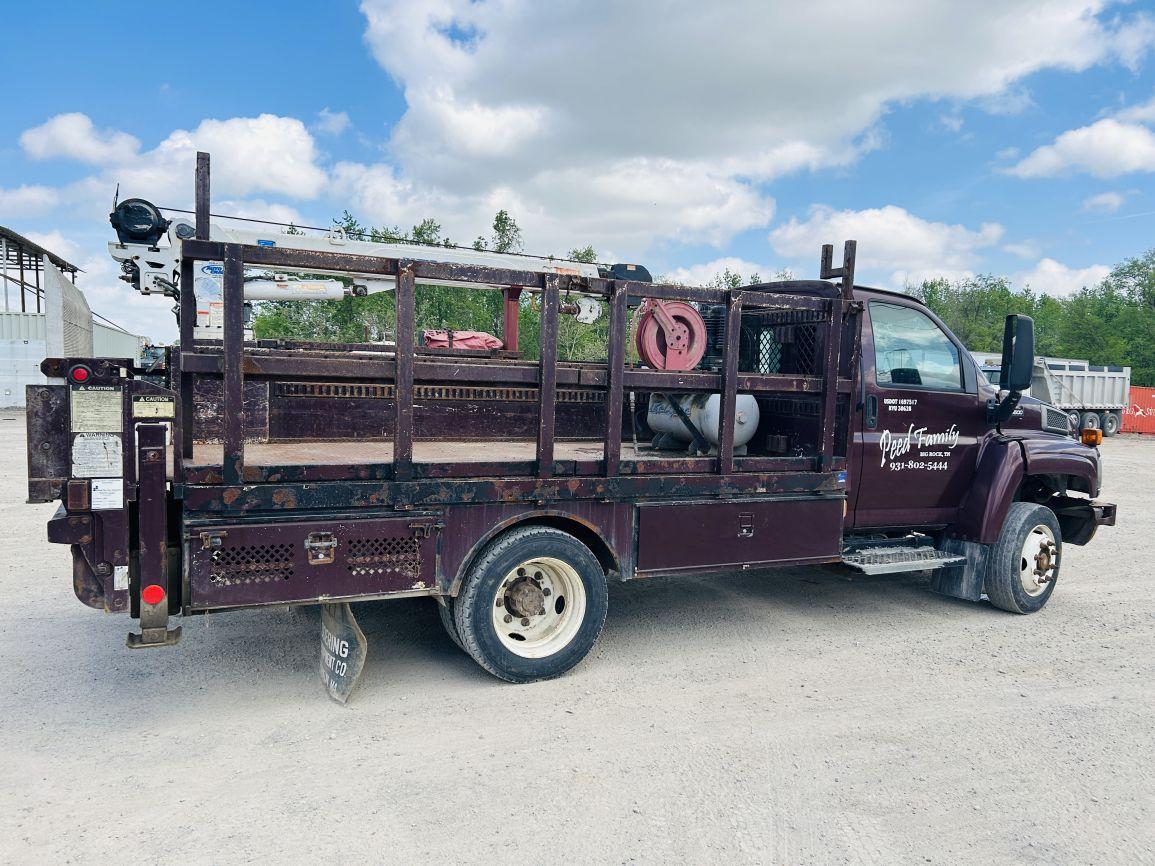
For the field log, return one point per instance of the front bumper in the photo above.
(1079, 519)
(1104, 513)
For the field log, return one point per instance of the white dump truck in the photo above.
(1092, 395)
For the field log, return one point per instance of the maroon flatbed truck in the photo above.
(798, 422)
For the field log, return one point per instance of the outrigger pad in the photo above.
(343, 650)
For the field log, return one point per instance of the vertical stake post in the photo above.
(616, 359)
(403, 383)
(547, 377)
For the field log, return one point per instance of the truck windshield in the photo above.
(910, 349)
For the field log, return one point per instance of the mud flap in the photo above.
(343, 650)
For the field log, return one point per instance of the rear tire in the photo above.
(445, 611)
(1110, 423)
(1024, 563)
(1090, 421)
(532, 605)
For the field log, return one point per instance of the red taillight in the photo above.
(152, 594)
(79, 374)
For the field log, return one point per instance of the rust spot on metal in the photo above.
(230, 496)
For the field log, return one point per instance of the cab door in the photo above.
(920, 419)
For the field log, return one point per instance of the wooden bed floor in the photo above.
(317, 453)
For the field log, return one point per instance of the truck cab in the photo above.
(932, 461)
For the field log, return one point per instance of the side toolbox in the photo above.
(690, 536)
(278, 562)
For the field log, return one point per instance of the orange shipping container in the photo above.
(1139, 417)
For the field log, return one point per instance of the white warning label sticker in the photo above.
(148, 406)
(107, 493)
(96, 409)
(96, 455)
(120, 577)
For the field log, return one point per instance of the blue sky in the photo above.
(1009, 137)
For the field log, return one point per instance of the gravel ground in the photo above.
(801, 716)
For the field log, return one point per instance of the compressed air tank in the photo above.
(705, 411)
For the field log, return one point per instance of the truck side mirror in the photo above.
(1018, 353)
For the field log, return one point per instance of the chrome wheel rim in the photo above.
(539, 607)
(1038, 561)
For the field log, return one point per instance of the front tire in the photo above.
(532, 605)
(1024, 563)
(1090, 421)
(1110, 422)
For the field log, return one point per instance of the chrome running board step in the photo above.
(892, 559)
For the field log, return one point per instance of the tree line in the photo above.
(1109, 323)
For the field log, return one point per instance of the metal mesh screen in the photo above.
(780, 341)
(252, 563)
(384, 556)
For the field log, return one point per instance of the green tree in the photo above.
(586, 254)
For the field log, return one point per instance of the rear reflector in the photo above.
(152, 594)
(80, 374)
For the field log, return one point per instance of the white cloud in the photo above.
(74, 136)
(513, 100)
(24, 201)
(1104, 202)
(703, 273)
(1107, 148)
(267, 154)
(893, 244)
(1054, 278)
(1142, 113)
(332, 122)
(1022, 249)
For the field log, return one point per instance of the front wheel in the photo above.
(1024, 563)
(532, 605)
(1110, 423)
(1090, 421)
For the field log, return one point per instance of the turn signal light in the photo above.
(1092, 438)
(79, 374)
(152, 594)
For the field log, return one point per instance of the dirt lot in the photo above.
(803, 716)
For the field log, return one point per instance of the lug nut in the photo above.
(501, 602)
(546, 591)
(521, 572)
(525, 622)
(508, 618)
(537, 575)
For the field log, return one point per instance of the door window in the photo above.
(910, 350)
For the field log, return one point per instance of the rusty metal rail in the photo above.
(404, 367)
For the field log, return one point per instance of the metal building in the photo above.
(46, 315)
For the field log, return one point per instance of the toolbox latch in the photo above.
(746, 524)
(321, 548)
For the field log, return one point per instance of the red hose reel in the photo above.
(671, 335)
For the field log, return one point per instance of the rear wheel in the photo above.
(1110, 423)
(1090, 421)
(1024, 563)
(445, 611)
(532, 605)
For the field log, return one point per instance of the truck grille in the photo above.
(1056, 421)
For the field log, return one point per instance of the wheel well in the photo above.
(1041, 489)
(584, 533)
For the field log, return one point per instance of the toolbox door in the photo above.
(275, 563)
(703, 536)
